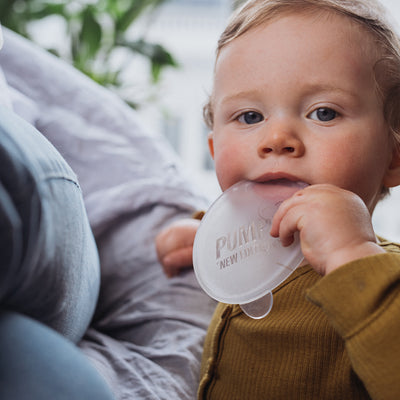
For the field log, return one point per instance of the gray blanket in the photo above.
(147, 334)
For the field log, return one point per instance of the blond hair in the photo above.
(369, 14)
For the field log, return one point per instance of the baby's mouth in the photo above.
(279, 189)
(286, 182)
(281, 179)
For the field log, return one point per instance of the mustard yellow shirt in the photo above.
(333, 337)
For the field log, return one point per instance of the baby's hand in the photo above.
(334, 224)
(174, 245)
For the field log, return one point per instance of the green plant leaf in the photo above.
(13, 15)
(150, 50)
(90, 34)
(160, 59)
(106, 78)
(7, 7)
(157, 54)
(129, 15)
(89, 41)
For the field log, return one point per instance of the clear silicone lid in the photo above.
(236, 260)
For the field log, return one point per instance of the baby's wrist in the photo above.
(347, 255)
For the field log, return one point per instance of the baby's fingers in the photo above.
(177, 260)
(285, 226)
(286, 219)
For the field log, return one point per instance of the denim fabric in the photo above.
(49, 267)
(38, 364)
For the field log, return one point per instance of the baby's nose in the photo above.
(280, 142)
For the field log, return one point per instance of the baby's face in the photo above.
(296, 98)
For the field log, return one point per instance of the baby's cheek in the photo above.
(230, 157)
(226, 174)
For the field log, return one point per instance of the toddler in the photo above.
(308, 90)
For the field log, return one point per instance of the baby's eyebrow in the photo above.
(307, 90)
(310, 89)
(242, 95)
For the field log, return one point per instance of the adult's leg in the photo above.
(37, 363)
(49, 267)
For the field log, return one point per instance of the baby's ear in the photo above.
(392, 176)
(211, 144)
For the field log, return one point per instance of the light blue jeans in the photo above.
(37, 363)
(49, 271)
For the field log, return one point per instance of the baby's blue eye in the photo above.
(323, 114)
(250, 117)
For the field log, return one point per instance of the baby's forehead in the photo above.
(350, 32)
(308, 53)
(361, 35)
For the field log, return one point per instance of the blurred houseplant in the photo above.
(95, 31)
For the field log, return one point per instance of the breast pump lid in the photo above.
(236, 260)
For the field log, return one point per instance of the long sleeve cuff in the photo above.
(359, 292)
